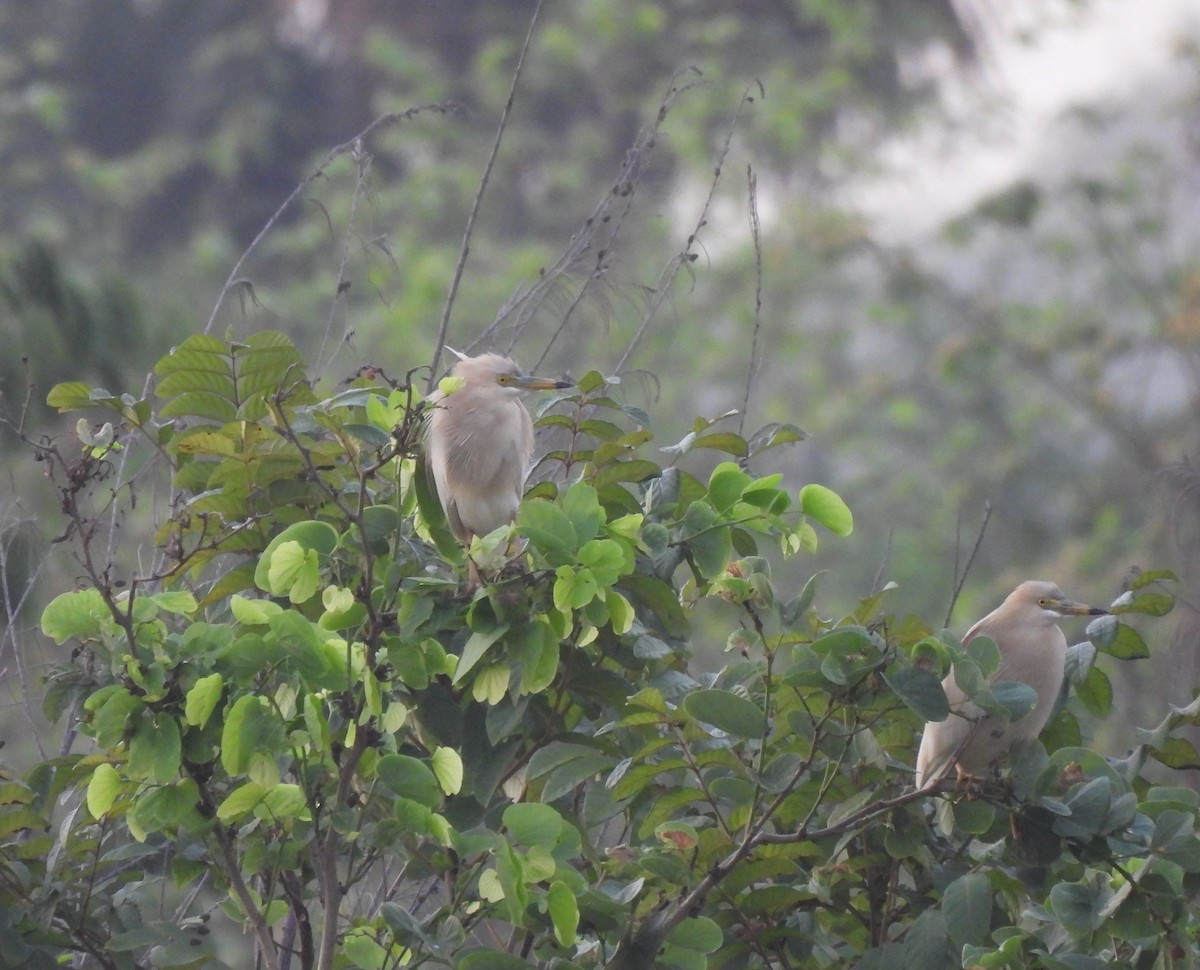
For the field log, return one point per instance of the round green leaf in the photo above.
(531, 823)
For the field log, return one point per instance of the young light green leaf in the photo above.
(75, 614)
(448, 769)
(825, 506)
(202, 699)
(103, 789)
(293, 572)
(564, 913)
(241, 801)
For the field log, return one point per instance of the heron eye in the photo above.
(505, 378)
(1042, 602)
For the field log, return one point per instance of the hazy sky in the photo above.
(1100, 52)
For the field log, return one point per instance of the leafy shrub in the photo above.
(303, 725)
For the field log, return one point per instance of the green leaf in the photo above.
(1151, 604)
(604, 558)
(154, 749)
(293, 572)
(1128, 645)
(729, 712)
(726, 484)
(70, 396)
(103, 789)
(725, 441)
(1177, 753)
(241, 801)
(410, 778)
(282, 801)
(967, 903)
(448, 769)
(240, 732)
(661, 600)
(697, 933)
(920, 691)
(181, 602)
(707, 538)
(532, 823)
(581, 504)
(253, 612)
(318, 537)
(564, 913)
(111, 719)
(573, 589)
(75, 614)
(167, 806)
(490, 960)
(202, 699)
(476, 646)
(549, 530)
(1016, 698)
(926, 942)
(1080, 907)
(637, 470)
(825, 506)
(1096, 692)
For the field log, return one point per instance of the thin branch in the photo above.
(960, 581)
(685, 258)
(234, 279)
(465, 249)
(233, 872)
(756, 238)
(600, 231)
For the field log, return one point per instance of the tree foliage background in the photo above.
(1036, 354)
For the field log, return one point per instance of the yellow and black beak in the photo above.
(1069, 608)
(527, 382)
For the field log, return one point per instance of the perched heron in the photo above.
(1033, 651)
(479, 443)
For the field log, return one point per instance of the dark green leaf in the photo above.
(410, 778)
(729, 712)
(1177, 753)
(920, 691)
(967, 903)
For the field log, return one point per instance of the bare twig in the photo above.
(363, 162)
(756, 238)
(598, 233)
(960, 580)
(465, 249)
(234, 279)
(686, 257)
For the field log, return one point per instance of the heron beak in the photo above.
(1068, 608)
(527, 382)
